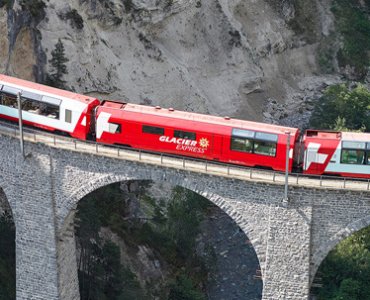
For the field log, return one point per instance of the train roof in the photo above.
(356, 136)
(156, 115)
(36, 87)
(339, 135)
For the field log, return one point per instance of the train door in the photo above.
(319, 148)
(312, 158)
(216, 144)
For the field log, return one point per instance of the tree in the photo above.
(346, 270)
(343, 107)
(58, 67)
(183, 289)
(349, 289)
(101, 275)
(353, 24)
(35, 7)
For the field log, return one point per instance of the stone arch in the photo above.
(325, 248)
(107, 179)
(104, 180)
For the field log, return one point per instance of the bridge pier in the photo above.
(287, 263)
(67, 261)
(41, 256)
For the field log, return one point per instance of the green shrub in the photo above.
(326, 54)
(129, 5)
(344, 107)
(183, 289)
(58, 67)
(75, 18)
(353, 24)
(168, 4)
(35, 7)
(7, 3)
(345, 272)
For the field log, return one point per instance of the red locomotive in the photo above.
(183, 133)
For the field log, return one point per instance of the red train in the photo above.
(183, 133)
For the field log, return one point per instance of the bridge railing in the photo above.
(185, 163)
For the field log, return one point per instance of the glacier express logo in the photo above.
(186, 144)
(204, 143)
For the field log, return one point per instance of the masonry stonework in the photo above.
(290, 239)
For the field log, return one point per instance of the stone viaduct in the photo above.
(290, 238)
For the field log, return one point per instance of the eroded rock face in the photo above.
(4, 41)
(22, 58)
(21, 53)
(219, 57)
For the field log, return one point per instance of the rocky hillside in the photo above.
(248, 59)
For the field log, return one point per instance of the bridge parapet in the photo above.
(185, 163)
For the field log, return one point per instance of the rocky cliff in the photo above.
(225, 57)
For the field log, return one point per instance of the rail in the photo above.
(185, 163)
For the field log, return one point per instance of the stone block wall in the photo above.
(290, 239)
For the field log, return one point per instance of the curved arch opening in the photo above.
(144, 240)
(345, 272)
(7, 250)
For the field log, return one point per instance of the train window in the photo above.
(51, 100)
(68, 116)
(153, 130)
(30, 106)
(270, 137)
(243, 133)
(241, 144)
(31, 102)
(114, 128)
(40, 108)
(8, 96)
(353, 145)
(264, 148)
(352, 156)
(32, 96)
(368, 157)
(185, 135)
(11, 90)
(8, 100)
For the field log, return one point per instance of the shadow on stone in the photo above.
(7, 250)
